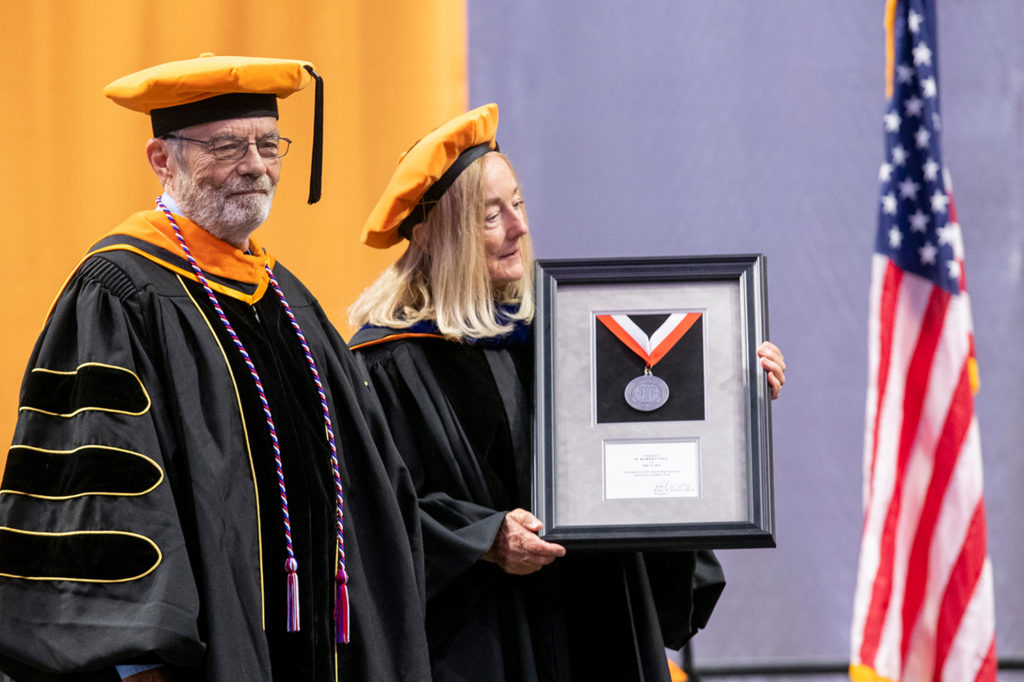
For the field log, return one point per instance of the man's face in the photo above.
(229, 199)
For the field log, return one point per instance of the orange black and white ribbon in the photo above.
(656, 346)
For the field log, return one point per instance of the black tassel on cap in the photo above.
(317, 162)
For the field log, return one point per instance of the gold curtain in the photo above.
(75, 163)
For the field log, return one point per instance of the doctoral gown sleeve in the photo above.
(371, 412)
(457, 516)
(685, 587)
(93, 565)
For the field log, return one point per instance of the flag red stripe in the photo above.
(913, 399)
(947, 452)
(919, 372)
(962, 581)
(888, 298)
(886, 314)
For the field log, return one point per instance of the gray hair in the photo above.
(176, 149)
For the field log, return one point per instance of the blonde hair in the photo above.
(442, 276)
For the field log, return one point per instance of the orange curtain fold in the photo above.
(75, 165)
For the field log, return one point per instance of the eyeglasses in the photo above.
(235, 148)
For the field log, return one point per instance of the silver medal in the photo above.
(646, 393)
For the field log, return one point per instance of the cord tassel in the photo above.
(341, 615)
(292, 567)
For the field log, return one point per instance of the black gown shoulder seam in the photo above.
(109, 275)
(386, 350)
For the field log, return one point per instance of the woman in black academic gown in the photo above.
(445, 336)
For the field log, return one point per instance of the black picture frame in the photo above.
(655, 481)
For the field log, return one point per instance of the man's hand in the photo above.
(774, 364)
(517, 549)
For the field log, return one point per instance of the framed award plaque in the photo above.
(653, 415)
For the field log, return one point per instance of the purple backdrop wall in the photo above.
(666, 127)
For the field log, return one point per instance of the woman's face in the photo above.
(504, 221)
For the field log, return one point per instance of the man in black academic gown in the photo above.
(200, 484)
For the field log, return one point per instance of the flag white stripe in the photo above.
(877, 484)
(963, 492)
(912, 300)
(950, 532)
(976, 632)
(879, 266)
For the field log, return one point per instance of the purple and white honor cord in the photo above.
(341, 607)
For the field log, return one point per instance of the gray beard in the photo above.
(229, 219)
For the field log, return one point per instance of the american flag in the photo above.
(923, 608)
